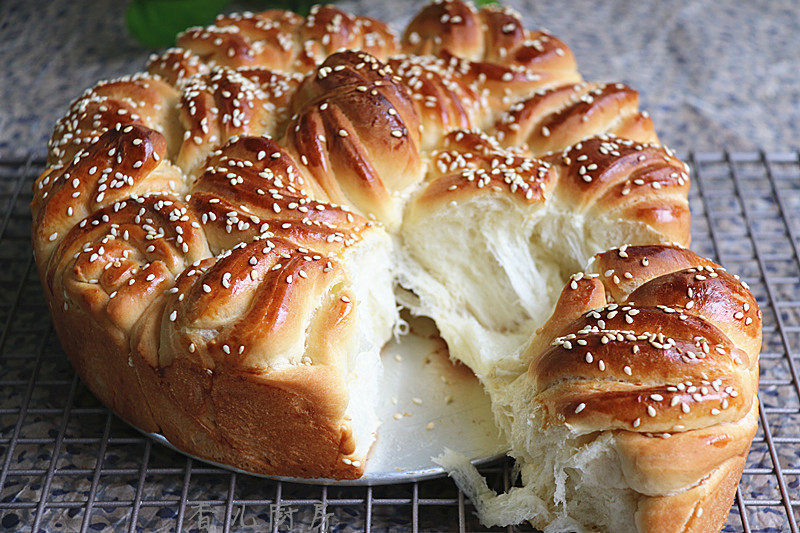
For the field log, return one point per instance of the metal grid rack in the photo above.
(66, 463)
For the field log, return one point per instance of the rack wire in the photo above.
(67, 463)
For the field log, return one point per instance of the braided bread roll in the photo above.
(282, 40)
(493, 34)
(639, 397)
(352, 113)
(140, 99)
(668, 368)
(554, 118)
(219, 241)
(225, 102)
(269, 391)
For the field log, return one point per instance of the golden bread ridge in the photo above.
(657, 347)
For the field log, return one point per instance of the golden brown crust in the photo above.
(451, 26)
(601, 176)
(658, 464)
(123, 162)
(351, 113)
(488, 53)
(444, 102)
(116, 261)
(626, 180)
(703, 508)
(257, 299)
(501, 83)
(346, 32)
(279, 423)
(553, 119)
(671, 368)
(104, 276)
(176, 65)
(140, 99)
(252, 187)
(269, 425)
(282, 40)
(470, 163)
(452, 93)
(586, 293)
(643, 364)
(655, 377)
(493, 34)
(240, 40)
(644, 263)
(226, 102)
(266, 393)
(100, 357)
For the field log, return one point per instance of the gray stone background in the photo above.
(714, 74)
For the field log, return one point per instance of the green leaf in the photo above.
(155, 23)
(483, 3)
(301, 7)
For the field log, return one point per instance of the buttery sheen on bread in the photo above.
(224, 238)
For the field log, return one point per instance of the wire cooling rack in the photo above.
(68, 464)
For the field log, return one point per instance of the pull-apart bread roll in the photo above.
(223, 241)
(282, 40)
(493, 233)
(639, 404)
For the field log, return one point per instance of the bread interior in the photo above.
(489, 271)
(371, 268)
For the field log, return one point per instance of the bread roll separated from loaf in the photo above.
(221, 241)
(638, 406)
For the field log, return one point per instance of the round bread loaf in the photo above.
(224, 238)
